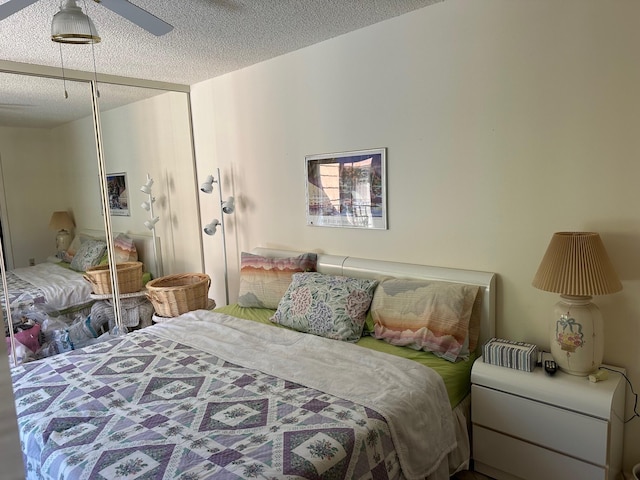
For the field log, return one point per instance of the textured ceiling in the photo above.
(210, 38)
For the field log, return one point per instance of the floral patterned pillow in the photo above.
(331, 306)
(88, 255)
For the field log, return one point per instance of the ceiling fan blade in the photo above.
(137, 15)
(13, 6)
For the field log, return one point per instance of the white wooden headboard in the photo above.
(144, 247)
(367, 268)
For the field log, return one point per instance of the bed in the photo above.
(58, 289)
(228, 394)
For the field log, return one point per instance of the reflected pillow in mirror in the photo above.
(124, 249)
(88, 255)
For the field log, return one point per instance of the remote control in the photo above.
(550, 367)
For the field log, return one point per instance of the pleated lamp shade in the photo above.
(576, 266)
(576, 263)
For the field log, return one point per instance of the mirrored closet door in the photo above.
(51, 167)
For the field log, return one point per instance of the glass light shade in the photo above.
(71, 25)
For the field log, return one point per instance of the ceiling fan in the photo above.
(126, 9)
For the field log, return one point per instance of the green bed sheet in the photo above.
(456, 376)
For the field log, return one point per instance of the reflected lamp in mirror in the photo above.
(150, 224)
(146, 188)
(71, 25)
(576, 266)
(146, 205)
(62, 222)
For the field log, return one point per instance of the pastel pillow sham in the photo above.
(331, 306)
(264, 280)
(124, 250)
(427, 315)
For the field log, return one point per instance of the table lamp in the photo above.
(576, 266)
(62, 222)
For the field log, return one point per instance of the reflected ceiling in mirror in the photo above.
(31, 101)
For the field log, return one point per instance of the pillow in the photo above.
(124, 249)
(264, 280)
(73, 248)
(331, 306)
(425, 315)
(88, 255)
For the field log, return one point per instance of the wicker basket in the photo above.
(174, 295)
(129, 278)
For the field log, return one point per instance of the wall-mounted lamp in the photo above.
(151, 223)
(227, 207)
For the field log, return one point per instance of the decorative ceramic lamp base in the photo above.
(63, 240)
(577, 340)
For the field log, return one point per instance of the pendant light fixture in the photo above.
(71, 25)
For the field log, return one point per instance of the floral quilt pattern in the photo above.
(139, 407)
(21, 292)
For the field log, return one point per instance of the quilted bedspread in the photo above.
(210, 396)
(22, 292)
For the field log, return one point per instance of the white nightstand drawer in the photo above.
(504, 457)
(557, 429)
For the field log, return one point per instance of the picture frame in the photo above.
(347, 189)
(118, 194)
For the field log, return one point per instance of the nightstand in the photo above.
(530, 425)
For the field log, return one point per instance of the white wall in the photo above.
(504, 120)
(57, 169)
(31, 190)
(153, 136)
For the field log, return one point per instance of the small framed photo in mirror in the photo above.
(118, 194)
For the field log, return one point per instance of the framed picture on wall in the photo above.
(347, 189)
(118, 194)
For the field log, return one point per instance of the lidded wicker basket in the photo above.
(173, 295)
(129, 278)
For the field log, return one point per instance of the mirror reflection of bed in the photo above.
(56, 162)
